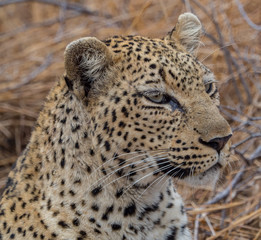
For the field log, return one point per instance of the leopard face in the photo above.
(157, 106)
(130, 115)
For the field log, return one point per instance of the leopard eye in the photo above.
(163, 98)
(208, 87)
(159, 98)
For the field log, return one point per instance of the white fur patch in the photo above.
(189, 31)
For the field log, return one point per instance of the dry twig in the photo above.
(245, 16)
(70, 6)
(47, 62)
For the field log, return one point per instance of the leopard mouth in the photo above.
(206, 179)
(169, 168)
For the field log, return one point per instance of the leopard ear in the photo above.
(88, 63)
(187, 32)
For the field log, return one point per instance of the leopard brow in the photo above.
(150, 89)
(152, 92)
(155, 91)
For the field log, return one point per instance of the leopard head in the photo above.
(150, 107)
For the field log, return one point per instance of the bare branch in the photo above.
(245, 16)
(45, 23)
(70, 6)
(227, 190)
(220, 42)
(196, 227)
(241, 154)
(255, 118)
(240, 68)
(32, 75)
(242, 79)
(257, 135)
(236, 179)
(188, 7)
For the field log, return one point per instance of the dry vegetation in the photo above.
(33, 35)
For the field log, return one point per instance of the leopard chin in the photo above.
(207, 179)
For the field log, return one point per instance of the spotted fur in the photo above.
(130, 115)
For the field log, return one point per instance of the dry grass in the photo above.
(33, 36)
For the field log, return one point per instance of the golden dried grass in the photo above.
(33, 36)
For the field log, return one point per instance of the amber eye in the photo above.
(163, 98)
(208, 87)
(157, 98)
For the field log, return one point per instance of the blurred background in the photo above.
(34, 34)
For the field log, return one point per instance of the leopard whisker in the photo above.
(174, 173)
(158, 170)
(149, 174)
(132, 163)
(151, 156)
(128, 174)
(103, 179)
(227, 45)
(125, 154)
(141, 155)
(107, 176)
(161, 178)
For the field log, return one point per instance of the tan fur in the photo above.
(130, 115)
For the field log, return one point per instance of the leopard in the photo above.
(129, 116)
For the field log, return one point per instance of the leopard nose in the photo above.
(216, 143)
